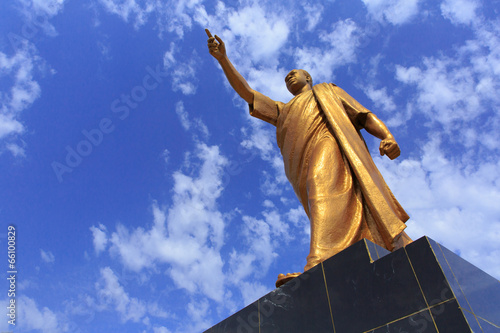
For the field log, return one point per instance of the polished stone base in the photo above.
(423, 287)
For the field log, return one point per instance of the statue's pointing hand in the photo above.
(390, 148)
(216, 46)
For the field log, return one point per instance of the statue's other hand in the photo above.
(216, 46)
(390, 148)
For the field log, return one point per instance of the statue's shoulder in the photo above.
(326, 84)
(331, 84)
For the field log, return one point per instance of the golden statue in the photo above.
(327, 161)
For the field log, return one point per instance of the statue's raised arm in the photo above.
(217, 49)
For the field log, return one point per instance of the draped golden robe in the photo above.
(330, 168)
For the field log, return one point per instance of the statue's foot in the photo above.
(282, 278)
(312, 261)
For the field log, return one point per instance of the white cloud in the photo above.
(258, 238)
(129, 9)
(183, 72)
(8, 125)
(258, 30)
(111, 292)
(179, 17)
(446, 88)
(15, 149)
(160, 329)
(270, 81)
(166, 155)
(458, 92)
(38, 12)
(393, 11)
(381, 98)
(384, 105)
(189, 235)
(100, 238)
(20, 68)
(24, 90)
(451, 201)
(278, 227)
(252, 291)
(262, 238)
(48, 7)
(262, 138)
(198, 125)
(300, 220)
(313, 14)
(197, 312)
(339, 48)
(183, 115)
(31, 317)
(170, 17)
(460, 11)
(184, 78)
(48, 256)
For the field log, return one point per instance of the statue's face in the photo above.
(295, 81)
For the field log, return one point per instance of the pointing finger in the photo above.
(208, 33)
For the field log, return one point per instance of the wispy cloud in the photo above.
(100, 238)
(182, 115)
(112, 294)
(393, 11)
(182, 72)
(456, 91)
(189, 235)
(170, 17)
(460, 11)
(8, 126)
(339, 48)
(451, 201)
(24, 90)
(195, 126)
(31, 317)
(38, 12)
(313, 13)
(47, 256)
(453, 196)
(258, 30)
(20, 68)
(129, 10)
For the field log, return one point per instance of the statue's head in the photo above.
(297, 81)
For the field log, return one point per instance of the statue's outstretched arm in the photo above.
(217, 49)
(388, 145)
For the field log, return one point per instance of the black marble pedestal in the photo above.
(423, 287)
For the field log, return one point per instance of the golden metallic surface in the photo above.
(327, 162)
(331, 170)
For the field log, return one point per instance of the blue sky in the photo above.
(144, 196)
